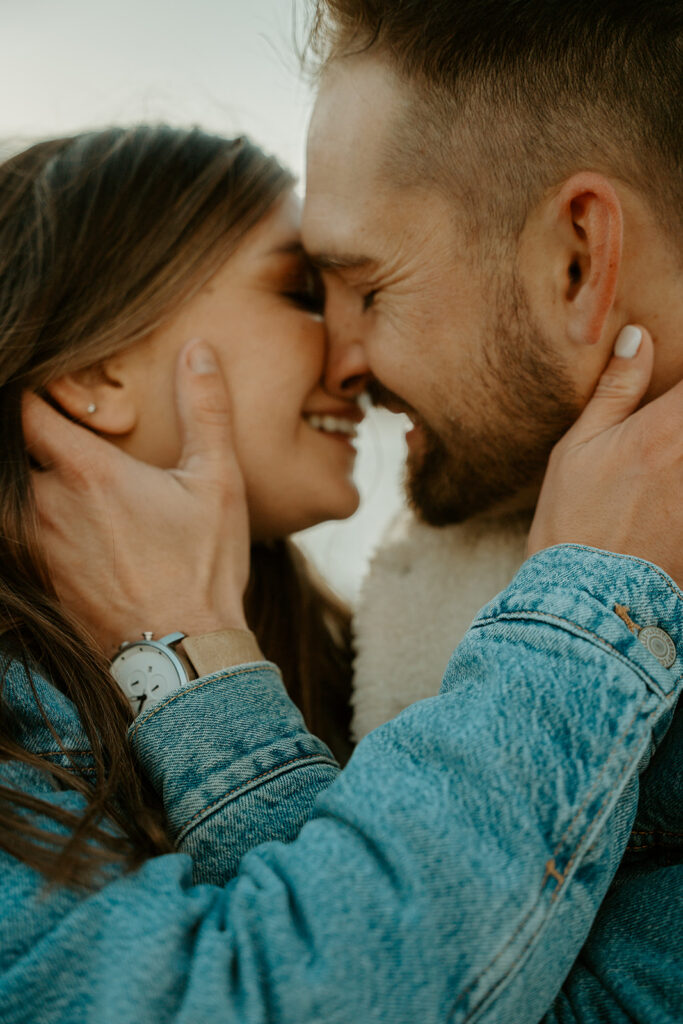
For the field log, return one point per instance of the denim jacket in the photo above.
(502, 851)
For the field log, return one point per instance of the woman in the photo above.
(114, 245)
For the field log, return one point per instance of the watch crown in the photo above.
(148, 636)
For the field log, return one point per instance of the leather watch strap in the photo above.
(211, 652)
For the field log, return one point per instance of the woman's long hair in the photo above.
(102, 237)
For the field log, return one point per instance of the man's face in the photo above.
(439, 331)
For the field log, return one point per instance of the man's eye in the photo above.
(368, 300)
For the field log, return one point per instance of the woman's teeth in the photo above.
(332, 425)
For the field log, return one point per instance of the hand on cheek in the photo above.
(614, 481)
(131, 547)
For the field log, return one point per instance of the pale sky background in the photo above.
(228, 65)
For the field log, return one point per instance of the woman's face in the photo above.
(260, 313)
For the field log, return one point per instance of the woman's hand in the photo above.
(130, 547)
(614, 480)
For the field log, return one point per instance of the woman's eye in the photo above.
(307, 292)
(368, 300)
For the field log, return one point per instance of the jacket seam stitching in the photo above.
(285, 767)
(641, 563)
(656, 832)
(215, 678)
(541, 616)
(559, 889)
(571, 824)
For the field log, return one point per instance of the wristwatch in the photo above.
(147, 670)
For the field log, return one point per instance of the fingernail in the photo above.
(201, 358)
(628, 342)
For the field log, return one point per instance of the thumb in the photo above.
(204, 412)
(621, 387)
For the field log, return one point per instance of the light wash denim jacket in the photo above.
(454, 871)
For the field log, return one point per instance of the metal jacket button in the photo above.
(658, 643)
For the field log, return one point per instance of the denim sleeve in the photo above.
(451, 872)
(233, 764)
(631, 966)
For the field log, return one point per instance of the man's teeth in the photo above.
(333, 425)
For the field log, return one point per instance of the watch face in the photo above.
(146, 674)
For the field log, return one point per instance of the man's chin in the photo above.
(431, 490)
(443, 494)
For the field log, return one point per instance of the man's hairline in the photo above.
(424, 103)
(422, 100)
(427, 94)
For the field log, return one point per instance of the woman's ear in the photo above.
(102, 396)
(589, 231)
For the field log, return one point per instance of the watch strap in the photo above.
(211, 652)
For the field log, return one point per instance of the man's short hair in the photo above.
(510, 97)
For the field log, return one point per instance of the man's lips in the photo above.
(385, 399)
(415, 432)
(395, 406)
(399, 408)
(414, 436)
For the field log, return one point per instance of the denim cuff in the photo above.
(220, 737)
(606, 598)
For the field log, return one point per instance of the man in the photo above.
(456, 867)
(493, 190)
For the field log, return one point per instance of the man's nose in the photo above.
(347, 371)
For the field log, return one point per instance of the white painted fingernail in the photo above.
(202, 359)
(628, 342)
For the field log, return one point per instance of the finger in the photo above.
(57, 443)
(49, 436)
(40, 428)
(621, 387)
(50, 496)
(204, 409)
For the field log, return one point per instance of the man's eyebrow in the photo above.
(325, 261)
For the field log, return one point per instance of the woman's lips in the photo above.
(335, 425)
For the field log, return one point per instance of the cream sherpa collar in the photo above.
(424, 587)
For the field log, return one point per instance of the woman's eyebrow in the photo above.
(292, 248)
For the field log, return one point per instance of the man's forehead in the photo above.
(358, 99)
(347, 185)
(341, 230)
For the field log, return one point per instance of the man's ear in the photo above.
(101, 396)
(582, 227)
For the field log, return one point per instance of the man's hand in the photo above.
(130, 547)
(614, 480)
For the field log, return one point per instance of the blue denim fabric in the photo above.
(631, 967)
(259, 781)
(455, 870)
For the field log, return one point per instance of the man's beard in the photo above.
(518, 407)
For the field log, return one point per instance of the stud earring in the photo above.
(91, 408)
